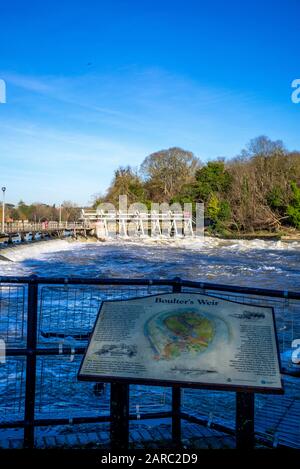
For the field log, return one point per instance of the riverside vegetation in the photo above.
(256, 191)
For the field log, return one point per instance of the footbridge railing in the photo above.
(22, 227)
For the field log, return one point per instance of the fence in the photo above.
(46, 322)
(26, 226)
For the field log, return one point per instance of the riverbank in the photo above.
(287, 234)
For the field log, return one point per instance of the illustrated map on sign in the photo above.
(187, 338)
(172, 335)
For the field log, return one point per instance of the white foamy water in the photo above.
(20, 252)
(270, 264)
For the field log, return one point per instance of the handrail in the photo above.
(15, 227)
(288, 294)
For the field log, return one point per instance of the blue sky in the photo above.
(92, 85)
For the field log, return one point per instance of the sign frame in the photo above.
(177, 383)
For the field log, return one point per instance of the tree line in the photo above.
(257, 190)
(39, 212)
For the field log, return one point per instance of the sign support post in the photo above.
(176, 420)
(176, 396)
(119, 411)
(245, 420)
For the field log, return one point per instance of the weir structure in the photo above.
(107, 224)
(137, 223)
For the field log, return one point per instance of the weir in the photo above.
(104, 225)
(110, 223)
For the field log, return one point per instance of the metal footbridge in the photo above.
(136, 223)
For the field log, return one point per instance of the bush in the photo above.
(293, 209)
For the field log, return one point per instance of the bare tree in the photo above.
(166, 171)
(70, 211)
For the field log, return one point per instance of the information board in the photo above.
(184, 338)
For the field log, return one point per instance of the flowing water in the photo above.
(269, 264)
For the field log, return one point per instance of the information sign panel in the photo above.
(184, 338)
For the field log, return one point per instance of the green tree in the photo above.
(126, 182)
(275, 198)
(217, 210)
(212, 178)
(213, 208)
(293, 209)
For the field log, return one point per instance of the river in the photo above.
(271, 264)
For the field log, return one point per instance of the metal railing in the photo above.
(39, 315)
(22, 227)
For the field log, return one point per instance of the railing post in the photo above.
(176, 420)
(119, 412)
(31, 362)
(245, 420)
(176, 392)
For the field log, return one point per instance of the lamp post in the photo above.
(3, 209)
(59, 216)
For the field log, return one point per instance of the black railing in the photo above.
(119, 395)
